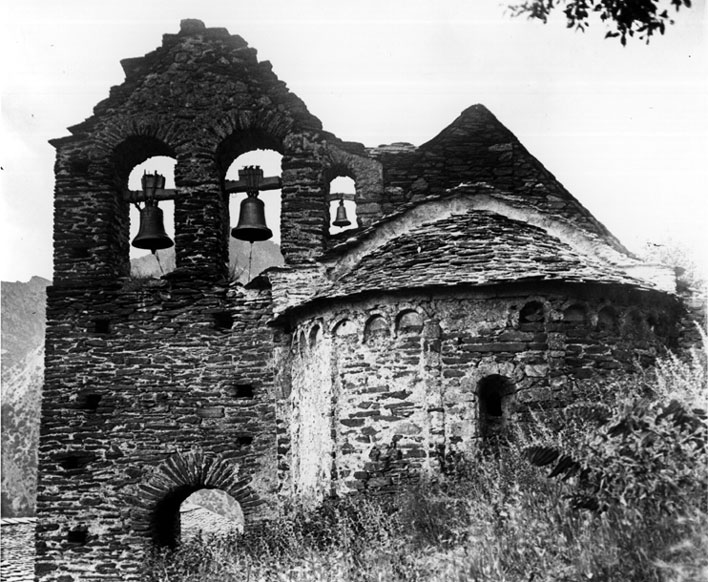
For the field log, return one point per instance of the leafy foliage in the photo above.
(624, 18)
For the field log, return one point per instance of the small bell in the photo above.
(251, 221)
(151, 234)
(341, 219)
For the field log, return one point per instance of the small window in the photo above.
(409, 323)
(74, 461)
(102, 325)
(79, 252)
(314, 336)
(607, 320)
(376, 330)
(78, 535)
(531, 315)
(89, 401)
(302, 344)
(635, 324)
(243, 390)
(575, 315)
(223, 320)
(493, 395)
(344, 328)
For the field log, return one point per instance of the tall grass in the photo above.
(633, 507)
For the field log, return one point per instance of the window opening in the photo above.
(78, 535)
(143, 263)
(607, 320)
(531, 316)
(243, 390)
(302, 344)
(376, 330)
(223, 320)
(575, 315)
(89, 401)
(342, 208)
(314, 336)
(266, 253)
(493, 393)
(344, 328)
(102, 325)
(409, 323)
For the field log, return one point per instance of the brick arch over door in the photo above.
(159, 497)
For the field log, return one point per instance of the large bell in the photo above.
(341, 219)
(251, 221)
(151, 234)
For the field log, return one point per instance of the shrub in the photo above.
(626, 501)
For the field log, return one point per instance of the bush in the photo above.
(626, 501)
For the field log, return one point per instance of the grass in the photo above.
(497, 517)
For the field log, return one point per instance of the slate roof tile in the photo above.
(476, 248)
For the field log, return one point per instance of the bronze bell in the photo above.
(151, 234)
(341, 219)
(251, 221)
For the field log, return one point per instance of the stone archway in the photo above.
(175, 479)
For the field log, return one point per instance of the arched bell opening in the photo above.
(187, 512)
(131, 159)
(152, 226)
(494, 394)
(258, 217)
(342, 204)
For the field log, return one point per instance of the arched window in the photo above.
(344, 329)
(409, 323)
(342, 205)
(302, 344)
(144, 263)
(314, 336)
(376, 330)
(607, 320)
(266, 253)
(531, 316)
(493, 393)
(575, 315)
(635, 325)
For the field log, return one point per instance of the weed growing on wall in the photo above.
(617, 494)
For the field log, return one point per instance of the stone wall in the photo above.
(150, 394)
(395, 380)
(157, 388)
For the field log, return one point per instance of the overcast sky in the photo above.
(624, 129)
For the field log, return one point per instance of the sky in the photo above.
(624, 129)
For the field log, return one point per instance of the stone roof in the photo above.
(475, 248)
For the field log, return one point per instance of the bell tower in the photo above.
(156, 388)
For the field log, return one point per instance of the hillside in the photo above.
(23, 324)
(23, 319)
(265, 254)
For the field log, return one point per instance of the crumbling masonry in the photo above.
(473, 288)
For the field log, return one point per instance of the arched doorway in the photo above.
(209, 512)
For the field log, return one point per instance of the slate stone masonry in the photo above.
(474, 289)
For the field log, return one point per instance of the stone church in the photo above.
(471, 288)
